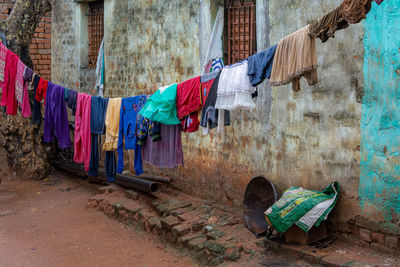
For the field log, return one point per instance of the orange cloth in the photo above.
(295, 56)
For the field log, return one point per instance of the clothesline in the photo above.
(151, 126)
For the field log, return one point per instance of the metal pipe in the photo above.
(160, 179)
(123, 180)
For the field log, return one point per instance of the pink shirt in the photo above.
(19, 82)
(3, 56)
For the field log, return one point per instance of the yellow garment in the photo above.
(295, 56)
(112, 124)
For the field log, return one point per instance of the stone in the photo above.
(108, 189)
(378, 238)
(380, 248)
(366, 223)
(155, 223)
(215, 234)
(5, 213)
(197, 243)
(198, 225)
(183, 240)
(232, 254)
(228, 221)
(214, 247)
(180, 230)
(391, 241)
(365, 235)
(130, 194)
(169, 222)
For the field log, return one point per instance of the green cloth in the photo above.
(302, 207)
(161, 106)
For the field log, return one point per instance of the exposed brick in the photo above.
(391, 241)
(378, 238)
(40, 46)
(365, 235)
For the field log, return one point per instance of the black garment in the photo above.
(37, 113)
(209, 114)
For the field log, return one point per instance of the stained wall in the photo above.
(380, 122)
(307, 139)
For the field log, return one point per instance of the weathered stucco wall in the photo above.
(305, 139)
(67, 46)
(150, 44)
(380, 127)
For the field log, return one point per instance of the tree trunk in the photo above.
(21, 139)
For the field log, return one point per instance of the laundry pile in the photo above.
(152, 125)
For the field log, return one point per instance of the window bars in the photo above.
(239, 30)
(96, 30)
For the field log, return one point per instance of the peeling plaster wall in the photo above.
(67, 46)
(150, 44)
(307, 139)
(380, 127)
(304, 139)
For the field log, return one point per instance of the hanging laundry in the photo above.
(188, 97)
(28, 75)
(100, 70)
(8, 96)
(19, 82)
(111, 166)
(191, 123)
(234, 88)
(209, 114)
(130, 108)
(207, 82)
(162, 106)
(26, 107)
(112, 124)
(41, 90)
(3, 58)
(295, 56)
(168, 152)
(56, 117)
(328, 25)
(260, 66)
(72, 100)
(146, 128)
(97, 128)
(353, 11)
(37, 113)
(189, 102)
(213, 58)
(82, 130)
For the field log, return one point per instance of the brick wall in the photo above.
(40, 48)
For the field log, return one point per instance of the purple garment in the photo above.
(72, 100)
(28, 74)
(56, 117)
(378, 1)
(166, 153)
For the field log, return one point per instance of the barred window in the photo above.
(96, 30)
(239, 30)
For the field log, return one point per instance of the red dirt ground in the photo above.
(51, 226)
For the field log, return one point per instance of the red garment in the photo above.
(191, 123)
(8, 96)
(205, 89)
(41, 90)
(188, 97)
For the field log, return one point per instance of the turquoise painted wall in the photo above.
(379, 189)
